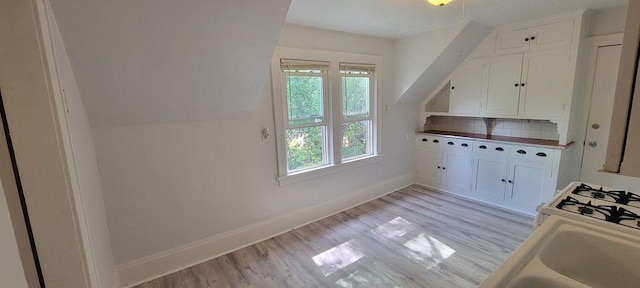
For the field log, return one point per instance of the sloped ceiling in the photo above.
(161, 61)
(425, 60)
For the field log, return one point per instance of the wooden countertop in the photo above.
(505, 139)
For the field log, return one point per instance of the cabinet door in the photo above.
(489, 178)
(466, 88)
(526, 185)
(504, 85)
(514, 41)
(428, 167)
(457, 171)
(552, 36)
(546, 83)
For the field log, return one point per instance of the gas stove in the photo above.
(598, 205)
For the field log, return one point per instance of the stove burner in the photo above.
(609, 213)
(585, 210)
(615, 196)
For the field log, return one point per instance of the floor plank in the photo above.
(413, 237)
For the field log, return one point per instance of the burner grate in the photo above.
(614, 196)
(609, 213)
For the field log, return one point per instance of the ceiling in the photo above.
(395, 19)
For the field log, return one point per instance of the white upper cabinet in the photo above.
(555, 35)
(466, 88)
(503, 85)
(544, 89)
(514, 41)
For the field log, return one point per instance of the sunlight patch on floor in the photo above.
(393, 229)
(427, 250)
(338, 257)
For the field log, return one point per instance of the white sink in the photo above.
(567, 253)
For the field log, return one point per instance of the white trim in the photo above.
(172, 260)
(328, 169)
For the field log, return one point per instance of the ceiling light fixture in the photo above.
(439, 2)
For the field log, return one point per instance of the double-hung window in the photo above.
(306, 122)
(357, 119)
(325, 110)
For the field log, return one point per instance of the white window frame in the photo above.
(333, 113)
(371, 143)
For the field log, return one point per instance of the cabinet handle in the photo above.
(541, 154)
(522, 84)
(517, 85)
(438, 167)
(450, 143)
(521, 152)
(510, 181)
(482, 147)
(503, 180)
(436, 141)
(464, 145)
(444, 168)
(500, 149)
(526, 39)
(425, 140)
(453, 87)
(533, 37)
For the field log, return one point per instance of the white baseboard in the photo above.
(166, 262)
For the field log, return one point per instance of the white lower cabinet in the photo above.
(511, 176)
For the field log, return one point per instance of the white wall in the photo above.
(11, 272)
(414, 54)
(84, 168)
(607, 21)
(172, 184)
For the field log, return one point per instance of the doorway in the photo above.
(604, 62)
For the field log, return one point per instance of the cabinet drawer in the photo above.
(531, 153)
(429, 141)
(490, 148)
(458, 146)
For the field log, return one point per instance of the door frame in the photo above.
(593, 44)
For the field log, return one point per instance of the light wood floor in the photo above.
(410, 238)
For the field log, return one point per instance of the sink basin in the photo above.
(565, 253)
(592, 258)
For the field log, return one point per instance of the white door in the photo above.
(504, 85)
(606, 59)
(489, 179)
(545, 83)
(428, 167)
(525, 185)
(466, 88)
(457, 171)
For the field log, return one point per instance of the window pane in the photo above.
(355, 96)
(356, 140)
(304, 99)
(305, 147)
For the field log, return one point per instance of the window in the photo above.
(325, 107)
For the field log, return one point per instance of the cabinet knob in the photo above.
(464, 145)
(533, 37)
(510, 181)
(517, 85)
(444, 168)
(503, 180)
(526, 39)
(425, 140)
(522, 84)
(453, 87)
(436, 141)
(450, 143)
(438, 167)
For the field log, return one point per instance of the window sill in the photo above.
(329, 169)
